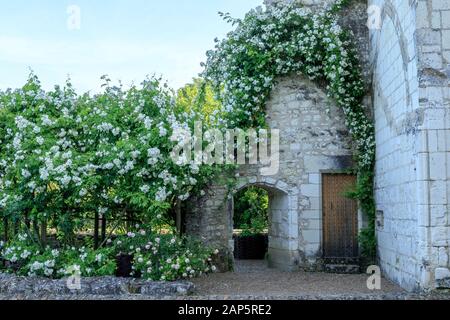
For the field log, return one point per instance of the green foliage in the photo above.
(26, 258)
(251, 207)
(168, 257)
(155, 257)
(364, 194)
(65, 157)
(199, 97)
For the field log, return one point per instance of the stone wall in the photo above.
(433, 41)
(411, 99)
(397, 117)
(433, 50)
(313, 139)
(112, 287)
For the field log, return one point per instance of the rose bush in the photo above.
(69, 160)
(24, 257)
(164, 257)
(65, 158)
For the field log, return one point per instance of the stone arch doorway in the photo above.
(282, 225)
(313, 140)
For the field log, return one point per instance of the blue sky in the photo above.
(126, 39)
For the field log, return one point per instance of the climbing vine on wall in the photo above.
(282, 40)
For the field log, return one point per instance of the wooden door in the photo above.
(340, 217)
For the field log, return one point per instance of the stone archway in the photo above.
(313, 140)
(283, 223)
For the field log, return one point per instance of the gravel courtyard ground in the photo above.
(254, 280)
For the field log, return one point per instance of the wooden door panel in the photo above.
(340, 217)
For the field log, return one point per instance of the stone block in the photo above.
(438, 192)
(432, 60)
(314, 224)
(443, 256)
(422, 166)
(312, 250)
(443, 137)
(423, 192)
(445, 19)
(296, 147)
(293, 244)
(281, 185)
(423, 215)
(429, 37)
(293, 216)
(282, 259)
(293, 202)
(310, 236)
(442, 278)
(310, 214)
(293, 231)
(422, 15)
(438, 170)
(434, 118)
(438, 215)
(310, 190)
(440, 5)
(446, 56)
(446, 39)
(314, 203)
(422, 141)
(314, 178)
(439, 236)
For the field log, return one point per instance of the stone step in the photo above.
(343, 268)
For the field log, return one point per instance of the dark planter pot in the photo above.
(124, 263)
(250, 247)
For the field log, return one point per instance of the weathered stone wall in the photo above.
(113, 287)
(433, 50)
(411, 99)
(312, 140)
(433, 40)
(397, 117)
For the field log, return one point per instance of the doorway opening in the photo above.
(273, 220)
(251, 223)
